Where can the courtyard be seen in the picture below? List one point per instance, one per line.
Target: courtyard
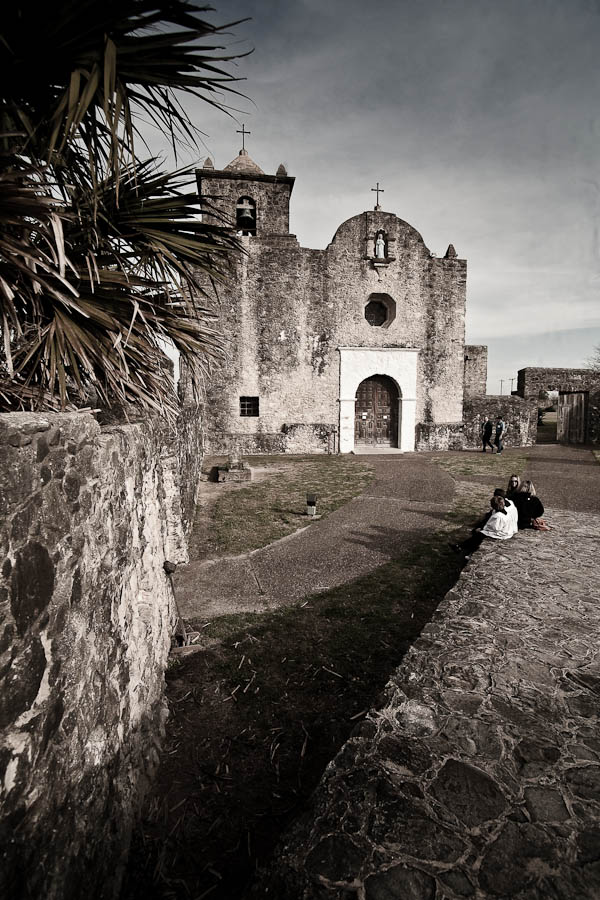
(272, 686)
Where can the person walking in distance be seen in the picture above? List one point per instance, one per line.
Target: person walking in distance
(500, 434)
(486, 434)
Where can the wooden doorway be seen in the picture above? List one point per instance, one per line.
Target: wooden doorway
(376, 412)
(571, 419)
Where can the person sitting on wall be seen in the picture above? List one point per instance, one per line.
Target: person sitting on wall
(498, 492)
(486, 434)
(530, 508)
(500, 526)
(500, 434)
(514, 483)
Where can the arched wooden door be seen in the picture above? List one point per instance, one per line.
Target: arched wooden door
(376, 412)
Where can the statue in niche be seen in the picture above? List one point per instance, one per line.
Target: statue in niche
(380, 246)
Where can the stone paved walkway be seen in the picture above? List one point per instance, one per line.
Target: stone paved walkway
(479, 776)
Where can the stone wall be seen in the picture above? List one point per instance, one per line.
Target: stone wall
(593, 421)
(475, 370)
(188, 460)
(532, 380)
(520, 416)
(439, 437)
(478, 776)
(89, 515)
(294, 438)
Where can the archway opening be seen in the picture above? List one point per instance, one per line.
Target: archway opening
(376, 412)
(245, 216)
(547, 417)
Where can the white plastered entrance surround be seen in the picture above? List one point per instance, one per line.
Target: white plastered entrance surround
(358, 363)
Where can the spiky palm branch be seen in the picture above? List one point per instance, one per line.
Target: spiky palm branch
(95, 245)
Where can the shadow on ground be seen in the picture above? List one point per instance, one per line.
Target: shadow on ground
(258, 712)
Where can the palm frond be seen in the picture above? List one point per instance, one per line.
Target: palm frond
(99, 249)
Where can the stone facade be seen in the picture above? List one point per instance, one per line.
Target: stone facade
(304, 328)
(89, 516)
(578, 402)
(520, 416)
(475, 370)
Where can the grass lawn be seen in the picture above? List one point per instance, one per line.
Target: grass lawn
(246, 517)
(498, 468)
(265, 701)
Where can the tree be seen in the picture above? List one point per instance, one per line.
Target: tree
(593, 362)
(98, 247)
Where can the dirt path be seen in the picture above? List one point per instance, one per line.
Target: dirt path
(406, 501)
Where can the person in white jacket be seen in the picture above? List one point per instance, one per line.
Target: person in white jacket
(500, 526)
(503, 522)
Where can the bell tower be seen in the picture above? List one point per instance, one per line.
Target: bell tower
(242, 196)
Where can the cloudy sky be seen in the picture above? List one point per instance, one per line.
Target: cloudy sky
(479, 118)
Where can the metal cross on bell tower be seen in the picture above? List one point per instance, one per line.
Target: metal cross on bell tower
(243, 133)
(379, 191)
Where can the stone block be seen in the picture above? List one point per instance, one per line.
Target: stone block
(236, 475)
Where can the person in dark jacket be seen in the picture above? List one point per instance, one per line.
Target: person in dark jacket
(486, 434)
(500, 434)
(529, 506)
(514, 483)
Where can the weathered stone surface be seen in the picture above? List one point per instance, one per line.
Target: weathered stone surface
(22, 681)
(289, 312)
(532, 380)
(519, 414)
(476, 358)
(515, 860)
(338, 857)
(32, 584)
(503, 797)
(545, 805)
(89, 515)
(468, 792)
(400, 883)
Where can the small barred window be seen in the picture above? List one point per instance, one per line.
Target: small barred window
(248, 406)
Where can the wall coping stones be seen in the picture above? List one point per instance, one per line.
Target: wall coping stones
(480, 775)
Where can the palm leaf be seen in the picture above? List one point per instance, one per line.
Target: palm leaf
(98, 249)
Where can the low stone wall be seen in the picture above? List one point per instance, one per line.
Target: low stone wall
(520, 416)
(89, 515)
(439, 437)
(293, 438)
(479, 776)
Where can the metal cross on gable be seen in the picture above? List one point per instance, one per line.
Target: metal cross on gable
(243, 133)
(379, 191)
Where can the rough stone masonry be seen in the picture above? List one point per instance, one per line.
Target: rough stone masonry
(88, 517)
(479, 776)
(309, 333)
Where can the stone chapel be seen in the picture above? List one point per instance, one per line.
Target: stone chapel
(357, 347)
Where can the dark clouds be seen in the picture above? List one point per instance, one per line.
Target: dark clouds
(480, 120)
